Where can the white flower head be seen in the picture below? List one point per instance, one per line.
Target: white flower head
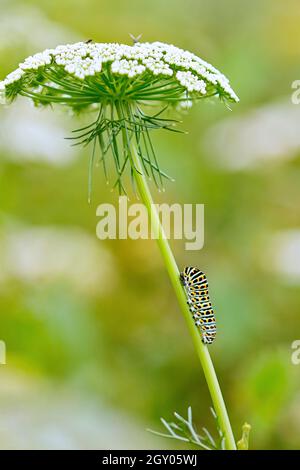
(104, 66)
(117, 82)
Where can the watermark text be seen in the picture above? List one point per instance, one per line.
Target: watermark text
(180, 222)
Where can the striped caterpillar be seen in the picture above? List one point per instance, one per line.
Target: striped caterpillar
(196, 288)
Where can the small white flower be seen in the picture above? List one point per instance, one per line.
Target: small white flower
(131, 68)
(38, 60)
(157, 67)
(191, 82)
(185, 104)
(13, 77)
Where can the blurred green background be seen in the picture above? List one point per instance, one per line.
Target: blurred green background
(97, 349)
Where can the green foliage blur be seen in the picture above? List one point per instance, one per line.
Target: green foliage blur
(97, 349)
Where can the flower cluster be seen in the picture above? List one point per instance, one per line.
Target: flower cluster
(36, 61)
(11, 78)
(177, 69)
(191, 82)
(131, 68)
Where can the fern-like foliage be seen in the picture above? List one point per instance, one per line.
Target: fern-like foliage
(183, 429)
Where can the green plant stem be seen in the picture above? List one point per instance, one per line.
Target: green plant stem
(202, 351)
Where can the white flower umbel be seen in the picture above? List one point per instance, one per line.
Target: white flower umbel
(102, 68)
(118, 82)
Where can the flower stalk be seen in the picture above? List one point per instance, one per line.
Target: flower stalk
(173, 271)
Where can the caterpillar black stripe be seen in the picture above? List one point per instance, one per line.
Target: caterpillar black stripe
(196, 288)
